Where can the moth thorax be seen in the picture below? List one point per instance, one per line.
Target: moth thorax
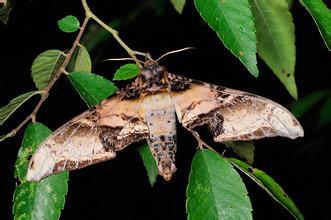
(153, 77)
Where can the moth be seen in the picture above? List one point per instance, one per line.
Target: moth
(147, 109)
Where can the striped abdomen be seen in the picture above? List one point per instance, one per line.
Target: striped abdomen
(160, 117)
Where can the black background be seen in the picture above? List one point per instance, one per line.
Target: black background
(119, 189)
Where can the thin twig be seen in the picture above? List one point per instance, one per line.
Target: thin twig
(62, 69)
(114, 32)
(63, 66)
(58, 73)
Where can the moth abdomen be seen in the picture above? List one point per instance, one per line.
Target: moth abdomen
(164, 155)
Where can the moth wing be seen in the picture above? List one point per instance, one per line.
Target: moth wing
(232, 115)
(91, 137)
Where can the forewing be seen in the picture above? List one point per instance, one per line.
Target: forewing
(91, 137)
(232, 115)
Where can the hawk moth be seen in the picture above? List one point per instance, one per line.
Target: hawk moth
(147, 109)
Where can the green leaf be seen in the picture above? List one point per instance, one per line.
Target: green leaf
(233, 22)
(303, 105)
(14, 104)
(149, 162)
(127, 71)
(269, 185)
(37, 200)
(325, 115)
(44, 67)
(276, 40)
(322, 17)
(91, 87)
(215, 189)
(82, 61)
(5, 11)
(68, 24)
(178, 5)
(245, 149)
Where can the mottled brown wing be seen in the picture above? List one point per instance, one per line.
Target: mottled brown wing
(232, 115)
(91, 137)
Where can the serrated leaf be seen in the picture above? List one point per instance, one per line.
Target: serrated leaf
(215, 189)
(245, 149)
(269, 185)
(322, 17)
(149, 162)
(178, 5)
(303, 105)
(68, 24)
(14, 104)
(325, 115)
(276, 39)
(232, 20)
(44, 66)
(82, 60)
(127, 71)
(91, 87)
(37, 200)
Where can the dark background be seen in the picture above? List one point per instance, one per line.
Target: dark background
(119, 189)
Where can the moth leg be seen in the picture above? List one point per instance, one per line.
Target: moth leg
(201, 143)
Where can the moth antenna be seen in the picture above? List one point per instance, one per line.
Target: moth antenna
(175, 51)
(121, 59)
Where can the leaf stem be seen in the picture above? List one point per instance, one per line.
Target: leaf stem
(114, 32)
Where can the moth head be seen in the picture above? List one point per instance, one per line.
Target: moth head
(166, 169)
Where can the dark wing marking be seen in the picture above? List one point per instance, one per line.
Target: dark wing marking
(91, 137)
(232, 115)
